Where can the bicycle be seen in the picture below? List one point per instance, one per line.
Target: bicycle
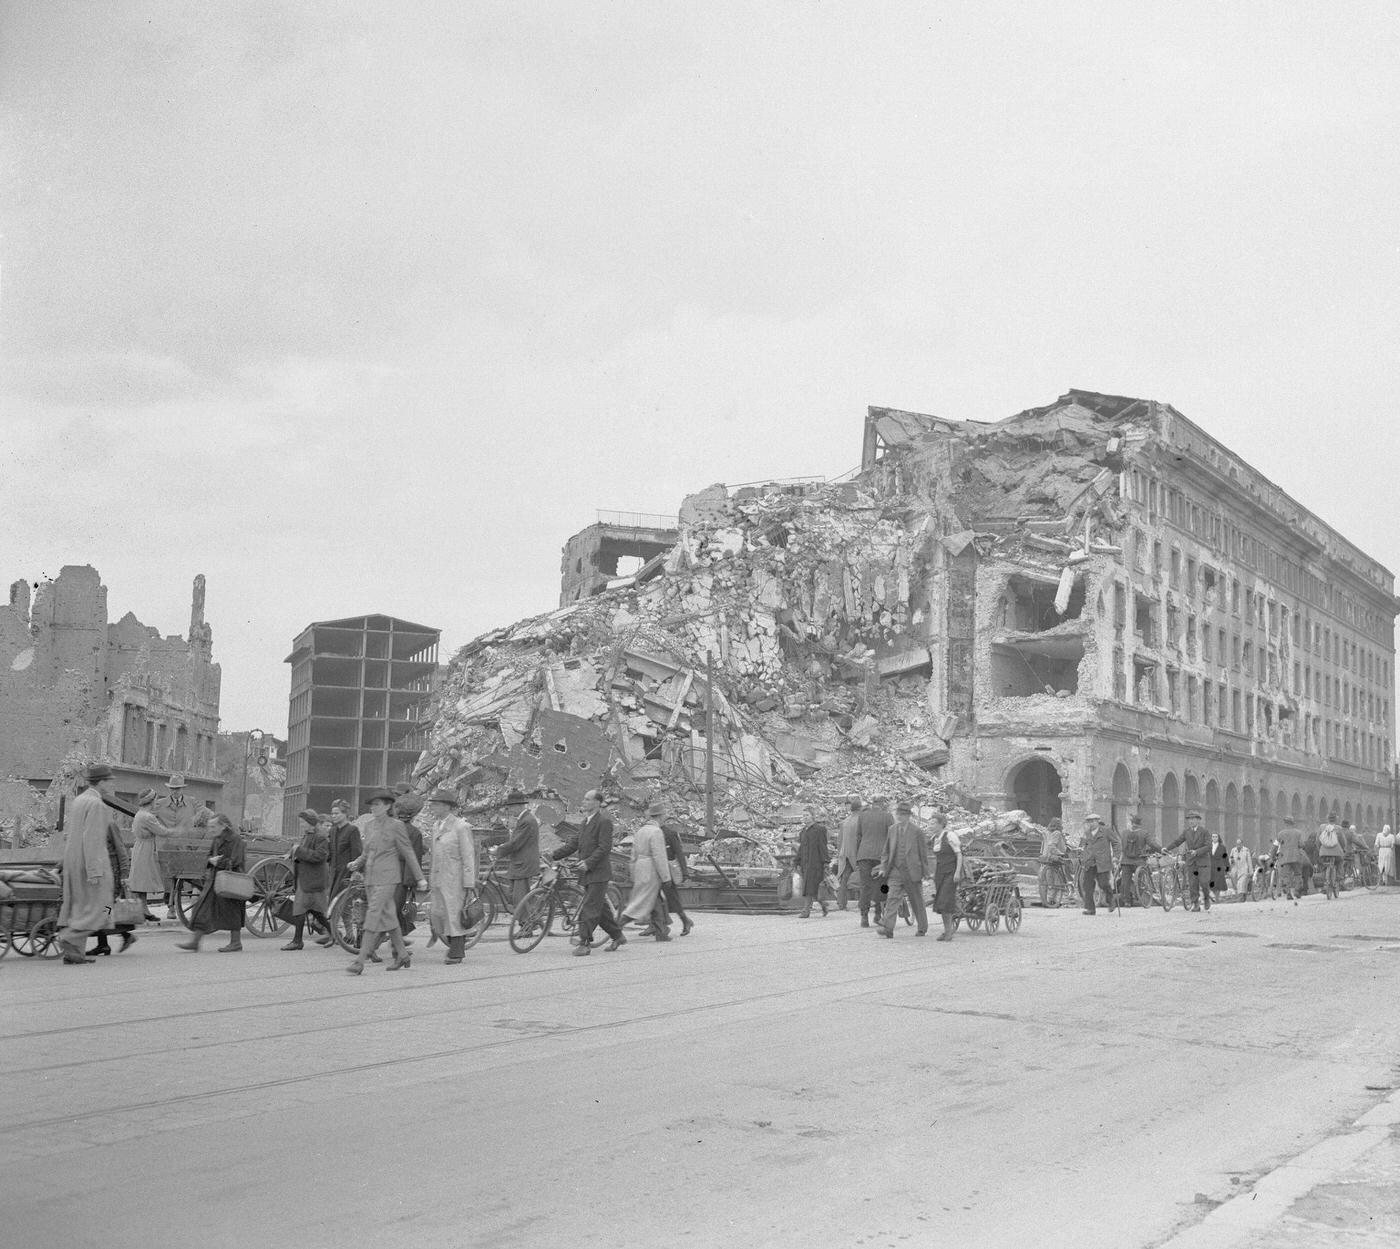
(1331, 875)
(1059, 882)
(1165, 882)
(347, 919)
(556, 894)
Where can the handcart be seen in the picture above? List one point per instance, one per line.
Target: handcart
(989, 896)
(184, 859)
(30, 899)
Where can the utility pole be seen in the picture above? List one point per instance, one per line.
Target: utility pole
(709, 745)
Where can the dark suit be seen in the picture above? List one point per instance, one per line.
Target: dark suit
(345, 849)
(1137, 845)
(594, 849)
(1195, 843)
(675, 857)
(1100, 847)
(872, 831)
(522, 854)
(904, 866)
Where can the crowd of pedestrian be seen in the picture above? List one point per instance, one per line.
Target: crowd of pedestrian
(887, 854)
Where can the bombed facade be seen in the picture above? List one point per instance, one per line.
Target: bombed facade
(76, 687)
(1090, 605)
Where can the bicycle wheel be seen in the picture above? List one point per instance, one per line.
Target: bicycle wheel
(347, 917)
(1170, 890)
(567, 900)
(1144, 886)
(1012, 914)
(530, 923)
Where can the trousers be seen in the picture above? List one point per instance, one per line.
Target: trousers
(1090, 877)
(1198, 884)
(594, 912)
(843, 883)
(902, 887)
(1127, 884)
(871, 890)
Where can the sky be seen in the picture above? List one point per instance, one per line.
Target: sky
(357, 307)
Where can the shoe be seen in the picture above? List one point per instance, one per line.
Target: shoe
(804, 914)
(325, 940)
(451, 962)
(374, 958)
(99, 951)
(1087, 912)
(923, 932)
(580, 950)
(128, 940)
(151, 919)
(885, 932)
(231, 948)
(943, 936)
(615, 944)
(400, 963)
(865, 921)
(191, 946)
(662, 936)
(294, 945)
(686, 926)
(73, 958)
(355, 969)
(824, 910)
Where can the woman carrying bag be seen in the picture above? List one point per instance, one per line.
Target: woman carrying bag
(451, 873)
(212, 912)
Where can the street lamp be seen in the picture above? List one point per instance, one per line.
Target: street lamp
(243, 799)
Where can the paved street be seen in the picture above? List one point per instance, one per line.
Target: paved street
(764, 1081)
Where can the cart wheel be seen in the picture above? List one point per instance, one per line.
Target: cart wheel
(973, 921)
(1013, 913)
(347, 917)
(6, 939)
(43, 939)
(187, 893)
(991, 917)
(530, 923)
(272, 881)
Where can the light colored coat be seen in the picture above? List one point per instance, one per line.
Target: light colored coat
(649, 870)
(451, 872)
(146, 831)
(88, 887)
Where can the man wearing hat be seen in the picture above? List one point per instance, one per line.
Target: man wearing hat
(1137, 845)
(593, 845)
(904, 865)
(451, 874)
(1195, 857)
(1290, 859)
(1101, 849)
(521, 850)
(178, 817)
(88, 885)
(146, 832)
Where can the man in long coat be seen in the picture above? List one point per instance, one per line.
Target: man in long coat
(904, 865)
(846, 854)
(1138, 843)
(1195, 840)
(811, 864)
(1101, 850)
(593, 845)
(88, 885)
(521, 850)
(873, 829)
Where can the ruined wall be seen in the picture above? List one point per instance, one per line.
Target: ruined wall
(70, 682)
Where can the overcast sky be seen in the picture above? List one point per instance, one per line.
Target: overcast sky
(367, 307)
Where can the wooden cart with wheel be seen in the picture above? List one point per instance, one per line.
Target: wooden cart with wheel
(989, 897)
(29, 906)
(184, 859)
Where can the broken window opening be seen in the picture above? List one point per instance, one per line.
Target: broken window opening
(1022, 670)
(1030, 605)
(1144, 682)
(1145, 621)
(651, 747)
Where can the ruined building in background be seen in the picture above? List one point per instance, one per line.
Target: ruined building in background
(360, 690)
(75, 688)
(1090, 605)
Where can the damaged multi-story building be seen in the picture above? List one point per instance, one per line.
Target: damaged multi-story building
(76, 687)
(1091, 605)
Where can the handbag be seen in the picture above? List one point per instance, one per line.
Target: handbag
(285, 910)
(237, 886)
(473, 912)
(127, 911)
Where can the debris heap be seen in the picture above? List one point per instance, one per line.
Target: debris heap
(805, 601)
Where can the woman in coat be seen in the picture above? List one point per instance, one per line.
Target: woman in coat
(146, 831)
(649, 869)
(120, 861)
(311, 877)
(811, 863)
(947, 871)
(227, 853)
(387, 852)
(1219, 865)
(1385, 856)
(451, 873)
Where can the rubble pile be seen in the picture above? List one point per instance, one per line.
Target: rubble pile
(805, 598)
